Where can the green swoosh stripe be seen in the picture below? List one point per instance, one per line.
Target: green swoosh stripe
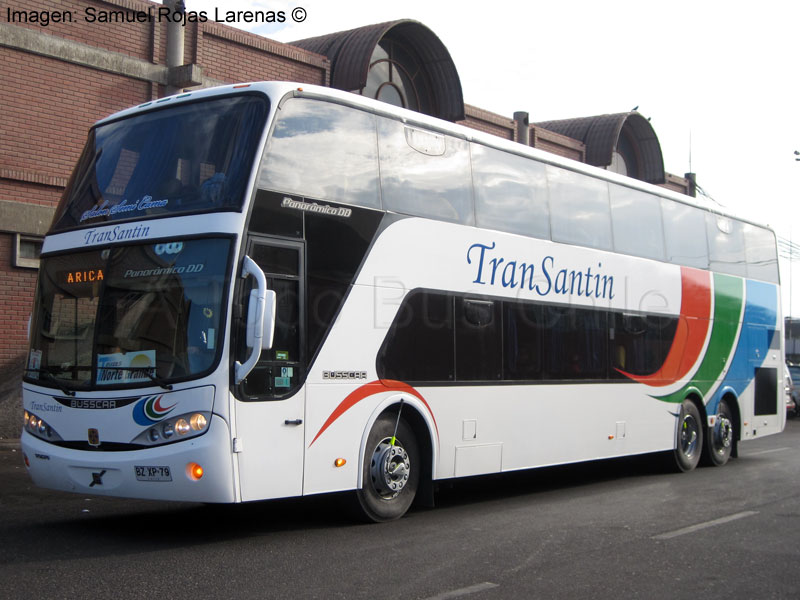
(728, 298)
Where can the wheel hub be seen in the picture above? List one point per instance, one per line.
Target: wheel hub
(389, 469)
(689, 435)
(723, 433)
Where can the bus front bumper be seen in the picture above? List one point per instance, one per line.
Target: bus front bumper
(159, 473)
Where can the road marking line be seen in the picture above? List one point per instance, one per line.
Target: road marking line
(767, 451)
(699, 526)
(473, 589)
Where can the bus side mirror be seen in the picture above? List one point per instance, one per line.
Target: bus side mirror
(268, 322)
(257, 318)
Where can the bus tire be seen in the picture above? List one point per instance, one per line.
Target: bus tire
(689, 437)
(390, 472)
(720, 437)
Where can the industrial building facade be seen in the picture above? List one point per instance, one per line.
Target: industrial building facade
(59, 78)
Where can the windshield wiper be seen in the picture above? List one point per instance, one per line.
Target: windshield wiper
(157, 379)
(48, 376)
(145, 371)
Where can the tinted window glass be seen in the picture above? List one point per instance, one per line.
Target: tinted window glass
(579, 209)
(479, 351)
(419, 345)
(725, 245)
(188, 157)
(335, 248)
(122, 315)
(640, 343)
(685, 234)
(576, 343)
(323, 150)
(519, 341)
(761, 253)
(279, 370)
(636, 222)
(522, 341)
(510, 193)
(424, 173)
(276, 259)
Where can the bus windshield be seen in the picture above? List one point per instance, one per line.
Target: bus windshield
(129, 315)
(183, 158)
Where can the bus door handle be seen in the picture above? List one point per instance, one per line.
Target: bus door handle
(293, 422)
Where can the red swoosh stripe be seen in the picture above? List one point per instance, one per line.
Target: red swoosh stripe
(690, 335)
(366, 390)
(159, 408)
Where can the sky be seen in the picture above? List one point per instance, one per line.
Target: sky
(720, 81)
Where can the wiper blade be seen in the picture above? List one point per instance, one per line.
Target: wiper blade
(143, 371)
(48, 376)
(156, 379)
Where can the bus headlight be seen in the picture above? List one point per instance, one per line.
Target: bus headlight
(38, 427)
(198, 422)
(180, 427)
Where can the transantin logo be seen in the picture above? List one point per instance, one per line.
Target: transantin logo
(149, 410)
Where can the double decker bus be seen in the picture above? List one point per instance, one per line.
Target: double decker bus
(269, 290)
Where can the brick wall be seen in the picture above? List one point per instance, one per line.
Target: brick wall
(231, 55)
(488, 122)
(133, 39)
(16, 297)
(16, 306)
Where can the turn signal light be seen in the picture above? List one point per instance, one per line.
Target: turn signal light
(194, 471)
(339, 462)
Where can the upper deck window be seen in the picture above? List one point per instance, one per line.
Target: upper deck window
(186, 158)
(323, 150)
(580, 212)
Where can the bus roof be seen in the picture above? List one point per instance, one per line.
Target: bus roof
(279, 90)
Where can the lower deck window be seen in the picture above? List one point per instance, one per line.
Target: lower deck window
(441, 337)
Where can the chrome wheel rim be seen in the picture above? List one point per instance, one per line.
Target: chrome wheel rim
(723, 434)
(390, 467)
(689, 436)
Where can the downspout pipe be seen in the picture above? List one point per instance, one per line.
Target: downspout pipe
(175, 35)
(523, 128)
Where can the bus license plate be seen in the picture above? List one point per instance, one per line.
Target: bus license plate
(153, 474)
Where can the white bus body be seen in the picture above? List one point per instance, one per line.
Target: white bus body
(472, 306)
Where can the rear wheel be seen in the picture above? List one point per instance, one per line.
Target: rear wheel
(390, 470)
(720, 437)
(689, 442)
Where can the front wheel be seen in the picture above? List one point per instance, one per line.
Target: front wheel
(390, 470)
(720, 437)
(689, 437)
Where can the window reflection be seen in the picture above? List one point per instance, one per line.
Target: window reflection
(510, 193)
(725, 245)
(685, 234)
(636, 221)
(580, 211)
(760, 249)
(323, 150)
(417, 180)
(189, 157)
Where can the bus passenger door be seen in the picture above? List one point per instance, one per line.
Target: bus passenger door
(270, 409)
